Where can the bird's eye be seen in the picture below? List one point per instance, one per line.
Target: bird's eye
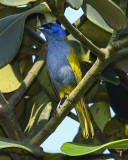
(49, 25)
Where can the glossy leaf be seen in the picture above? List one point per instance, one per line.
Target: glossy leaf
(93, 15)
(101, 114)
(15, 2)
(90, 141)
(74, 149)
(110, 11)
(75, 4)
(115, 130)
(40, 113)
(96, 34)
(10, 78)
(11, 10)
(101, 95)
(13, 26)
(8, 143)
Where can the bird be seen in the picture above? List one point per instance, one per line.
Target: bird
(64, 70)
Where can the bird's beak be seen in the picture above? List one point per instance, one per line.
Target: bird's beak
(39, 27)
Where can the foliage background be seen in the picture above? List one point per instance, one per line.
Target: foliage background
(28, 98)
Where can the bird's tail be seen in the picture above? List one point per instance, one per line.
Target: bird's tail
(84, 119)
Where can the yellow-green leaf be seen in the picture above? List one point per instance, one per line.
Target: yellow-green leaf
(10, 78)
(40, 113)
(15, 2)
(74, 4)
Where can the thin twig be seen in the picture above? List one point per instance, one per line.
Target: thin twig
(73, 116)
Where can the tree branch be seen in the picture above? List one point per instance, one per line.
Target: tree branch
(69, 103)
(32, 74)
(10, 124)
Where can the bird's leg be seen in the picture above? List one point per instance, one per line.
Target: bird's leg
(67, 95)
(58, 106)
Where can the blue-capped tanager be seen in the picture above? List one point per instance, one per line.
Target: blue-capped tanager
(64, 69)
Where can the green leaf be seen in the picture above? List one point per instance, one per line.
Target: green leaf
(11, 10)
(90, 141)
(8, 144)
(75, 4)
(101, 114)
(100, 37)
(101, 95)
(74, 149)
(13, 26)
(15, 2)
(110, 12)
(92, 14)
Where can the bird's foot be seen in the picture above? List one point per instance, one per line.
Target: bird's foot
(58, 106)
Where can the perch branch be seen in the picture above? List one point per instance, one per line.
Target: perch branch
(69, 103)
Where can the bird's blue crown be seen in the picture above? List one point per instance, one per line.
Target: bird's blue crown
(52, 30)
